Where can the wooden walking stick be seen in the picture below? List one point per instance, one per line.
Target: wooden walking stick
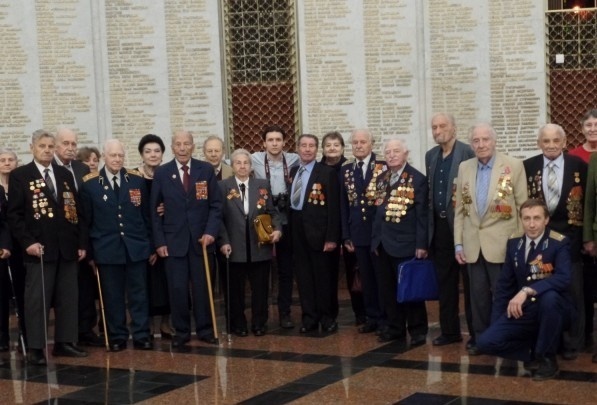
(211, 298)
(101, 299)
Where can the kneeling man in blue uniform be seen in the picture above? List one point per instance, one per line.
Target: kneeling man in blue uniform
(532, 307)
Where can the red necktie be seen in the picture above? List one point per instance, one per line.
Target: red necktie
(185, 178)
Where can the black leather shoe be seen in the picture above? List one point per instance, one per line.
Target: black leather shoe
(388, 337)
(36, 357)
(209, 338)
(286, 322)
(570, 354)
(179, 341)
(67, 350)
(548, 369)
(90, 339)
(443, 340)
(307, 329)
(360, 320)
(418, 340)
(165, 335)
(369, 327)
(473, 351)
(142, 344)
(471, 343)
(259, 331)
(241, 332)
(330, 328)
(118, 345)
(531, 365)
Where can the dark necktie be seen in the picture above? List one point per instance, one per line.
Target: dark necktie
(50, 183)
(531, 254)
(70, 169)
(185, 178)
(115, 186)
(243, 188)
(358, 175)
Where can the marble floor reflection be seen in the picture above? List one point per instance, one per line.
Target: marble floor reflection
(287, 367)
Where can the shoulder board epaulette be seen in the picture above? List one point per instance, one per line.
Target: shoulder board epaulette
(556, 235)
(90, 176)
(516, 235)
(134, 171)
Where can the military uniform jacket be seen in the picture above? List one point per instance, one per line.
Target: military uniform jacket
(321, 206)
(400, 223)
(34, 216)
(357, 201)
(548, 269)
(568, 215)
(119, 225)
(234, 220)
(5, 239)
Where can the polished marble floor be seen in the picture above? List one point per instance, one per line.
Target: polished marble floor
(287, 367)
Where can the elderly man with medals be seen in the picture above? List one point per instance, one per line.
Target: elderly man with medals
(532, 304)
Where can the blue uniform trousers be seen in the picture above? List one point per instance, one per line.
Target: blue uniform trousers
(538, 330)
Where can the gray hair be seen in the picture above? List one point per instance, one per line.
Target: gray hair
(449, 116)
(364, 131)
(213, 138)
(559, 130)
(41, 133)
(480, 125)
(9, 152)
(402, 142)
(110, 142)
(239, 152)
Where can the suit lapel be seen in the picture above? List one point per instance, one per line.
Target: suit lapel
(237, 201)
(252, 196)
(175, 177)
(567, 183)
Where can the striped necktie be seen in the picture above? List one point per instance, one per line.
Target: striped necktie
(553, 190)
(298, 186)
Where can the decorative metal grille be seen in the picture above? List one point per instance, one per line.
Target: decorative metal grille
(572, 68)
(261, 70)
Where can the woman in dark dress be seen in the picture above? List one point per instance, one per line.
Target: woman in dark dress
(333, 155)
(151, 148)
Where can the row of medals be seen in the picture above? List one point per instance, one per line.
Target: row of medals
(40, 201)
(399, 198)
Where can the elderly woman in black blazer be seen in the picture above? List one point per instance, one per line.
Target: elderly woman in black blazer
(244, 199)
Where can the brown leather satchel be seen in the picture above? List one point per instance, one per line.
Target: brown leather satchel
(263, 228)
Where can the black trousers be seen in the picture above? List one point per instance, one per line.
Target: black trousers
(258, 275)
(285, 271)
(400, 317)
(313, 277)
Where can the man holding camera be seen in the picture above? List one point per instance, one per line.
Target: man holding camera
(274, 165)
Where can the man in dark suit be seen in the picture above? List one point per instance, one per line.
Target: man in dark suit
(45, 217)
(399, 233)
(442, 163)
(192, 215)
(357, 205)
(245, 198)
(532, 305)
(65, 155)
(116, 203)
(315, 224)
(559, 180)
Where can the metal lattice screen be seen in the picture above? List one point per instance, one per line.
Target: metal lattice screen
(572, 68)
(261, 69)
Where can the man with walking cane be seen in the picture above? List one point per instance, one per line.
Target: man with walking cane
(116, 203)
(45, 218)
(191, 220)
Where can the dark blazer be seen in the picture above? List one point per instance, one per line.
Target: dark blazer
(568, 216)
(5, 239)
(234, 220)
(187, 215)
(79, 168)
(460, 153)
(357, 202)
(321, 222)
(402, 239)
(553, 250)
(118, 225)
(48, 225)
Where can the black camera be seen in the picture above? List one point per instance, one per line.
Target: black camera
(281, 201)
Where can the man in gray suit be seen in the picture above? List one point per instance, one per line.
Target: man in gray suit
(441, 163)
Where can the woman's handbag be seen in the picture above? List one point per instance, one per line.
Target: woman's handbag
(417, 281)
(263, 228)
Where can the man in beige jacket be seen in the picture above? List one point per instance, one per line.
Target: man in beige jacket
(490, 188)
